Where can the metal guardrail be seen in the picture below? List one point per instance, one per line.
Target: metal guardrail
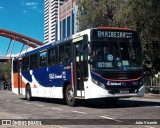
(152, 86)
(152, 89)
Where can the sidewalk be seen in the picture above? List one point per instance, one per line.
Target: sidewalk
(148, 97)
(152, 96)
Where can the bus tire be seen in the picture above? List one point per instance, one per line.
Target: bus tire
(28, 93)
(69, 94)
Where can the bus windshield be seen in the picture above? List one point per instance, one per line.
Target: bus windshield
(116, 55)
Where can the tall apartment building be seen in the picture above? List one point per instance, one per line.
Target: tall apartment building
(67, 19)
(50, 19)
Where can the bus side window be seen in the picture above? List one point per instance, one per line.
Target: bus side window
(33, 61)
(52, 56)
(15, 66)
(25, 63)
(43, 57)
(61, 54)
(65, 53)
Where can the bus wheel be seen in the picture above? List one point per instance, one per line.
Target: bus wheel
(70, 96)
(28, 93)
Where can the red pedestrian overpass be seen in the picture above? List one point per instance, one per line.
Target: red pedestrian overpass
(25, 40)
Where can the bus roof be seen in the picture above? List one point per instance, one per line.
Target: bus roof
(115, 28)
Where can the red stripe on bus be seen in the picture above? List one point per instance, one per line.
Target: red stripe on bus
(115, 28)
(118, 80)
(72, 75)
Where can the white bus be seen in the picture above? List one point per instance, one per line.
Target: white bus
(102, 62)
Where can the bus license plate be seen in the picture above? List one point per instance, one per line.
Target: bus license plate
(124, 91)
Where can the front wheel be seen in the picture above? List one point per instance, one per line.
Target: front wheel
(28, 93)
(69, 94)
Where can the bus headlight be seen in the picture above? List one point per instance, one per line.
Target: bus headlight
(98, 83)
(95, 81)
(102, 85)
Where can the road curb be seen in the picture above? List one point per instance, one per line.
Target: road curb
(152, 96)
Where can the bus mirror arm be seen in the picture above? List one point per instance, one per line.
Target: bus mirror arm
(90, 51)
(90, 61)
(90, 54)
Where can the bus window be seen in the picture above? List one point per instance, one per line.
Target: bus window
(64, 53)
(33, 61)
(85, 58)
(25, 63)
(67, 52)
(15, 66)
(43, 61)
(61, 53)
(52, 56)
(124, 51)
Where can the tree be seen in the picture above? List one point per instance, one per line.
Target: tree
(1, 74)
(6, 70)
(94, 13)
(143, 15)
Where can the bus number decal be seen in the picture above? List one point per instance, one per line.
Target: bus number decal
(112, 34)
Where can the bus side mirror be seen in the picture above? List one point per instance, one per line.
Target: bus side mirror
(90, 51)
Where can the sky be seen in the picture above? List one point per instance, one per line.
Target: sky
(21, 16)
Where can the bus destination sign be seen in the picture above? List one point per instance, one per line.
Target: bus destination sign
(112, 34)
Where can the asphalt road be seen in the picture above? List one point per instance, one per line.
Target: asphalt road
(134, 112)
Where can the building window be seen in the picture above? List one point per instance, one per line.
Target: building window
(64, 28)
(73, 24)
(68, 26)
(61, 28)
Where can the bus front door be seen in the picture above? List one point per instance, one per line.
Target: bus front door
(80, 67)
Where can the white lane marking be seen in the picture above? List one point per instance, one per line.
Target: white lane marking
(106, 117)
(8, 100)
(149, 127)
(79, 112)
(39, 105)
(156, 106)
(27, 103)
(56, 108)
